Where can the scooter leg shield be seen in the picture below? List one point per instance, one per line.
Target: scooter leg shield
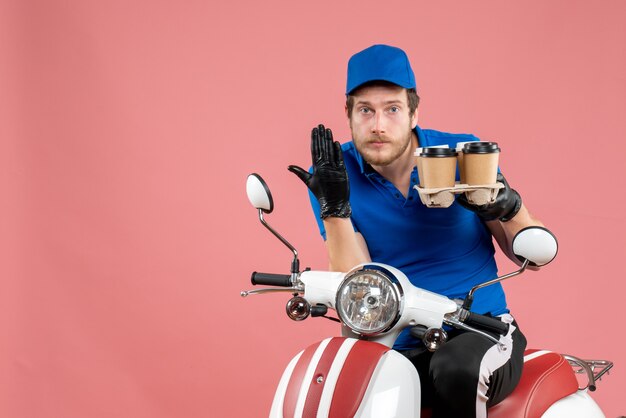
(394, 389)
(345, 377)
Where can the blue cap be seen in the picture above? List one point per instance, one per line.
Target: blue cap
(380, 62)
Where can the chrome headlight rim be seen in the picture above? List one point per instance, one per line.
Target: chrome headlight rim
(395, 285)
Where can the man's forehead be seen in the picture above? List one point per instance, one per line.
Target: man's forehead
(382, 94)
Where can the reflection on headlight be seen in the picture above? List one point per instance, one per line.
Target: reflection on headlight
(368, 300)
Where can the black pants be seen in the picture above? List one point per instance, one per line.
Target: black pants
(469, 373)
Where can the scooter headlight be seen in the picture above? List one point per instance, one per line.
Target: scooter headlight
(369, 300)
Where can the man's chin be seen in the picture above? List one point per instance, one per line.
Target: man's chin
(377, 160)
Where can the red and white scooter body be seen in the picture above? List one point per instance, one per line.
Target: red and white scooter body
(344, 377)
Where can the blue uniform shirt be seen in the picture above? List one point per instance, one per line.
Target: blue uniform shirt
(446, 251)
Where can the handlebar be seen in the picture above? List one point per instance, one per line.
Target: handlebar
(271, 279)
(487, 323)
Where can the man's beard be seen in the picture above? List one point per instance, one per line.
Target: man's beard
(376, 159)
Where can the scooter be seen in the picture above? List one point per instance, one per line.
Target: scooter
(359, 375)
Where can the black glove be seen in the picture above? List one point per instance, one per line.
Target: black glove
(507, 204)
(329, 181)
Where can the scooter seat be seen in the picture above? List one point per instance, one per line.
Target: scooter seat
(546, 378)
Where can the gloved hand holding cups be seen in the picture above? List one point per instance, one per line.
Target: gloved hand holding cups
(507, 204)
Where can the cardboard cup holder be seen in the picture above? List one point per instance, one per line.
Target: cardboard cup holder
(443, 197)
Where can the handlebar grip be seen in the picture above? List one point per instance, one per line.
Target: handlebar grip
(487, 323)
(270, 279)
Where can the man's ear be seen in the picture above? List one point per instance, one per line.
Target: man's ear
(345, 108)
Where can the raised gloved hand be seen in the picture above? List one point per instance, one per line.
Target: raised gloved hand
(507, 204)
(329, 181)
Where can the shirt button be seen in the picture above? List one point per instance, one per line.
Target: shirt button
(398, 195)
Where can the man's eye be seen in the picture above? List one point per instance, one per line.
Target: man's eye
(394, 109)
(364, 110)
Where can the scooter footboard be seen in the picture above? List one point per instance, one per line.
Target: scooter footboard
(344, 377)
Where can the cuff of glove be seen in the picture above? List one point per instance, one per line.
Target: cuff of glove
(345, 211)
(514, 210)
(501, 211)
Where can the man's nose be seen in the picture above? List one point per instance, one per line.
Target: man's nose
(379, 124)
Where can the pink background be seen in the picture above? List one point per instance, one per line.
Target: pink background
(128, 129)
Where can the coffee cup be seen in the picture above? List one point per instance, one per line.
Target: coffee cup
(438, 167)
(418, 161)
(480, 162)
(459, 158)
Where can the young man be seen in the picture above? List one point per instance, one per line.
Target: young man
(368, 210)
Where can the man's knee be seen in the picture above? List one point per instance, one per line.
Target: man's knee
(455, 369)
(454, 379)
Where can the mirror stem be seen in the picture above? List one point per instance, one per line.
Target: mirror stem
(469, 299)
(295, 264)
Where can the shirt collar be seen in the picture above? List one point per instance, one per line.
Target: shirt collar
(367, 169)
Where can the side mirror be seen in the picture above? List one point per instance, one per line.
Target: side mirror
(259, 194)
(260, 197)
(535, 244)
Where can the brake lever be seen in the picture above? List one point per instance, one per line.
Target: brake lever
(293, 290)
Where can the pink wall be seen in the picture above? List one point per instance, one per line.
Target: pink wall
(128, 128)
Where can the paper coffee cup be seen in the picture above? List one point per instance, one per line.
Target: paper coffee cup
(459, 159)
(438, 167)
(418, 161)
(480, 162)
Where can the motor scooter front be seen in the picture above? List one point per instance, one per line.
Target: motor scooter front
(359, 375)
